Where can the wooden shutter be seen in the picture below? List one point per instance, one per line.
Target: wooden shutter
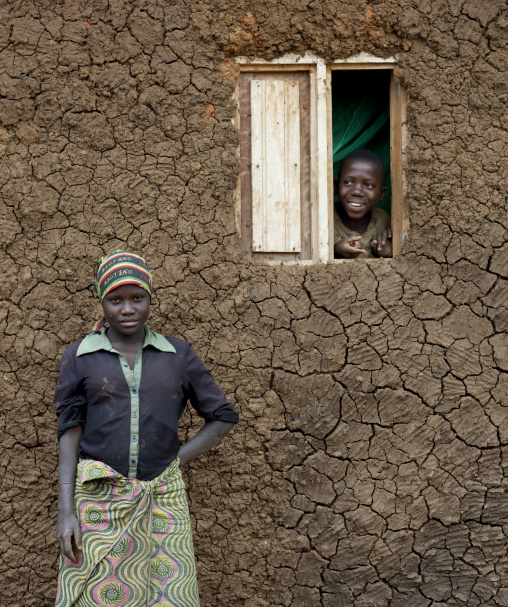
(275, 168)
(275, 172)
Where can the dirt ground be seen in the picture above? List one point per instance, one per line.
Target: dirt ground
(370, 463)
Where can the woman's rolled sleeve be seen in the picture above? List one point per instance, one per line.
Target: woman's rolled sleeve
(204, 394)
(69, 401)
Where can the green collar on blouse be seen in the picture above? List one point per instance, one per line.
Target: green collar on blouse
(100, 341)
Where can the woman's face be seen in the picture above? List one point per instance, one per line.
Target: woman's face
(126, 309)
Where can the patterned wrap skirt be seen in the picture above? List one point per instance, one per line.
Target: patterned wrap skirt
(137, 542)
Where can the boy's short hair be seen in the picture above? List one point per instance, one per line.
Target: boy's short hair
(367, 156)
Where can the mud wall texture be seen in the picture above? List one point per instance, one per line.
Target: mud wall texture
(369, 467)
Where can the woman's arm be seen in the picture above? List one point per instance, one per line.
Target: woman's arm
(207, 438)
(67, 526)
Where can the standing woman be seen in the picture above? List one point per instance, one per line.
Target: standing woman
(123, 522)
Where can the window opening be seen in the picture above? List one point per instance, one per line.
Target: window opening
(361, 118)
(367, 109)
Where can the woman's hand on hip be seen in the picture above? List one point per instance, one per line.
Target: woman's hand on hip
(208, 437)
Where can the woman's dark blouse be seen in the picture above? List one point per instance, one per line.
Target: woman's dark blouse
(132, 424)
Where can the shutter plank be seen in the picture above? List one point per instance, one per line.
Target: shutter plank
(276, 205)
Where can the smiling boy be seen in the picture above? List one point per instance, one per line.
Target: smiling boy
(361, 229)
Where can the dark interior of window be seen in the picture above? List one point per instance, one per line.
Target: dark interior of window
(361, 117)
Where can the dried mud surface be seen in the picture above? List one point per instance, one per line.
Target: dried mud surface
(369, 467)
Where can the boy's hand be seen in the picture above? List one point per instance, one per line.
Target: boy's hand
(381, 244)
(348, 248)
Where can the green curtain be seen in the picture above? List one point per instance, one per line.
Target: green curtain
(361, 117)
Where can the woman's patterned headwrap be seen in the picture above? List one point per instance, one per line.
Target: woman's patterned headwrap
(120, 268)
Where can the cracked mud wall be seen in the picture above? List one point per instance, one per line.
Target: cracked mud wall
(369, 467)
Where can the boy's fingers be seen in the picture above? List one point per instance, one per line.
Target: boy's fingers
(359, 250)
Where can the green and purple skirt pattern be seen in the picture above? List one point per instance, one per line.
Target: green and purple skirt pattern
(137, 542)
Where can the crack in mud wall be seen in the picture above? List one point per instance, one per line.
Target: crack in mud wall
(369, 466)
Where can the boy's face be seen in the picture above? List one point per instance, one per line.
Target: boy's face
(359, 187)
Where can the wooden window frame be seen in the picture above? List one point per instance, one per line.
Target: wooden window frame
(321, 146)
